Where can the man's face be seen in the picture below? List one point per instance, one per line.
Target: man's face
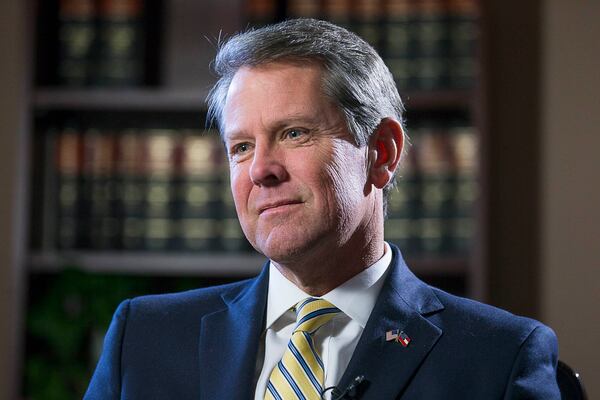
(298, 180)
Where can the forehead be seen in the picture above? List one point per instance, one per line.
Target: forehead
(274, 91)
(282, 74)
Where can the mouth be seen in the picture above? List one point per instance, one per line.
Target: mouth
(277, 206)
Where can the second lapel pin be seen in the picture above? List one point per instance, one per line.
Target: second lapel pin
(398, 336)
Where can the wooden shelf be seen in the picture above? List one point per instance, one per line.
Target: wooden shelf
(121, 99)
(194, 100)
(150, 263)
(191, 264)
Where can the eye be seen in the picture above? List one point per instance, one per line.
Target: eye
(240, 148)
(295, 133)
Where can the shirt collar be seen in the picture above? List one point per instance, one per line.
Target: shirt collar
(356, 297)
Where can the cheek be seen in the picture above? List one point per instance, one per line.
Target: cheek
(240, 187)
(346, 175)
(347, 171)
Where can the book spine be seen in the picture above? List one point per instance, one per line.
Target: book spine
(130, 176)
(437, 189)
(338, 12)
(367, 21)
(463, 15)
(76, 33)
(465, 148)
(103, 226)
(198, 189)
(160, 227)
(398, 42)
(68, 171)
(120, 49)
(431, 45)
(90, 186)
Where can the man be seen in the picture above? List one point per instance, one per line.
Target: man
(311, 120)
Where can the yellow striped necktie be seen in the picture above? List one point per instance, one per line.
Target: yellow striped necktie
(300, 373)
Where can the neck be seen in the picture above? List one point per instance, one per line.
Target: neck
(333, 266)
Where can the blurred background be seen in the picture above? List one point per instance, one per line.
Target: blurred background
(111, 186)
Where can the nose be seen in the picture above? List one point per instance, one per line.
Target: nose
(268, 167)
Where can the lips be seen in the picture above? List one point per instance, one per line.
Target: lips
(276, 204)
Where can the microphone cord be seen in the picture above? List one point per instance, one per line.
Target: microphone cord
(350, 391)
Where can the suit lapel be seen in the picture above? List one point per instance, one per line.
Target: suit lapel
(229, 340)
(389, 366)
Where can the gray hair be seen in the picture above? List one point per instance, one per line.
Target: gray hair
(355, 77)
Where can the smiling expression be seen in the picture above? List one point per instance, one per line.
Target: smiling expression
(299, 181)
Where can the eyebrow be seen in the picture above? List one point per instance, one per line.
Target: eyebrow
(277, 125)
(293, 120)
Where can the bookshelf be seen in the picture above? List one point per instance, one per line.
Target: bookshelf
(169, 96)
(171, 87)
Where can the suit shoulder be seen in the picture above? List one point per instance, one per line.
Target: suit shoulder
(200, 301)
(474, 317)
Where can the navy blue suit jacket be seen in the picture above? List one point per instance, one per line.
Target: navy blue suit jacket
(202, 344)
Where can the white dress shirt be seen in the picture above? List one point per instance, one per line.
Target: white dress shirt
(337, 339)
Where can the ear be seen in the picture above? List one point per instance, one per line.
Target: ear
(385, 149)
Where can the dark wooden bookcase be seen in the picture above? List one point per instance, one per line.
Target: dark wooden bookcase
(181, 39)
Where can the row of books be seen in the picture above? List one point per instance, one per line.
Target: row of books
(154, 189)
(431, 211)
(100, 43)
(168, 190)
(427, 44)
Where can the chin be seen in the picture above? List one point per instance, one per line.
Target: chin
(284, 246)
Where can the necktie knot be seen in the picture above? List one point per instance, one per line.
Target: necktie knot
(312, 313)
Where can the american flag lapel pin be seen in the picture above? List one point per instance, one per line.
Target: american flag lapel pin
(392, 335)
